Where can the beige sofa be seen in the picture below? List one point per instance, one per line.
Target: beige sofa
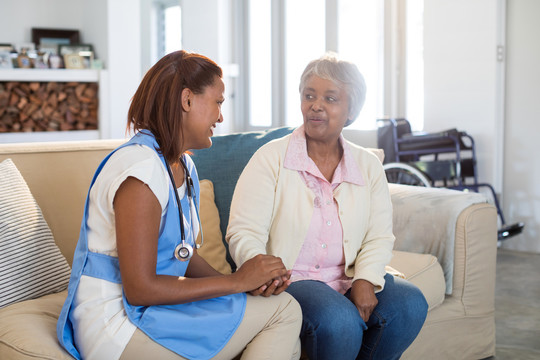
(460, 324)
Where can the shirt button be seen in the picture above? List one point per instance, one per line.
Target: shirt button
(328, 202)
(328, 223)
(345, 241)
(317, 266)
(324, 246)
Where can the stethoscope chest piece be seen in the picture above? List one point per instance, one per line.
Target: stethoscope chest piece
(183, 251)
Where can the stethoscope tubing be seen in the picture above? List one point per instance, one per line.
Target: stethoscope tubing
(184, 251)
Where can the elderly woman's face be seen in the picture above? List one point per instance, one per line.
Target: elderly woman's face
(325, 107)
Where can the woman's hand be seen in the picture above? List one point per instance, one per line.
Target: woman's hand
(363, 296)
(263, 275)
(274, 286)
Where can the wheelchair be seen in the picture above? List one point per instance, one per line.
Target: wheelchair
(444, 159)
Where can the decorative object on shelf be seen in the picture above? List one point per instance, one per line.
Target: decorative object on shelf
(73, 61)
(55, 61)
(23, 60)
(73, 48)
(5, 60)
(77, 56)
(97, 64)
(48, 37)
(42, 60)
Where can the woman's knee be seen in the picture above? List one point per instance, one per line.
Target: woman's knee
(341, 322)
(411, 305)
(416, 307)
(291, 309)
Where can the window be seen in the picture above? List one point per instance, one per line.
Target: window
(285, 35)
(260, 63)
(360, 40)
(305, 24)
(169, 27)
(274, 40)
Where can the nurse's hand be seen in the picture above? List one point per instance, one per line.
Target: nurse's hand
(260, 274)
(273, 287)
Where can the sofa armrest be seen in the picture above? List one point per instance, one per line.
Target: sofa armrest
(426, 221)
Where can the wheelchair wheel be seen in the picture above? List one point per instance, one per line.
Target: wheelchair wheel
(401, 173)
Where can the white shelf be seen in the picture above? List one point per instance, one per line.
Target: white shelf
(44, 75)
(62, 75)
(46, 136)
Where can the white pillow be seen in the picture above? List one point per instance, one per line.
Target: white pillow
(31, 265)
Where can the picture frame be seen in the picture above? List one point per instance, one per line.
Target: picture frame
(73, 61)
(6, 47)
(5, 60)
(42, 36)
(73, 48)
(48, 48)
(87, 58)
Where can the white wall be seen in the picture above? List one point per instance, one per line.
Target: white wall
(521, 193)
(18, 17)
(460, 75)
(124, 60)
(495, 102)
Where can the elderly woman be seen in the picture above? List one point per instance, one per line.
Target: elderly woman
(322, 205)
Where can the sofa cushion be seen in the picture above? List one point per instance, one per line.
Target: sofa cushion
(213, 249)
(424, 271)
(28, 329)
(31, 264)
(224, 161)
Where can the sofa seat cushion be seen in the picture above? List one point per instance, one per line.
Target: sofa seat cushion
(28, 329)
(424, 271)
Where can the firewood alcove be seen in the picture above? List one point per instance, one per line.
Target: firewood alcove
(48, 106)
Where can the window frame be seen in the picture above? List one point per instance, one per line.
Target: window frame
(393, 95)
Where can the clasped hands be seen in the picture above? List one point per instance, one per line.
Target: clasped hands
(267, 270)
(270, 271)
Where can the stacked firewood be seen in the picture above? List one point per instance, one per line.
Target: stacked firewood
(48, 106)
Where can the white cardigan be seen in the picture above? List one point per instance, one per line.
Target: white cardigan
(272, 208)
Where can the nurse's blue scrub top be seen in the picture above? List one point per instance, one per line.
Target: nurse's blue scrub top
(197, 330)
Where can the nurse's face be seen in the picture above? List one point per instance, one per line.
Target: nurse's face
(203, 115)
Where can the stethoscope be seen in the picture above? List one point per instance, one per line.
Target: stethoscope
(184, 251)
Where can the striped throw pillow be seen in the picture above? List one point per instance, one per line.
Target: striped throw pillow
(31, 265)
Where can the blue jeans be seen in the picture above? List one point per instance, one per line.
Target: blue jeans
(332, 328)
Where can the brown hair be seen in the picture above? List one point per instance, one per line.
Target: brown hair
(156, 105)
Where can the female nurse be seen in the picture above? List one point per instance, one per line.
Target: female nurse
(138, 288)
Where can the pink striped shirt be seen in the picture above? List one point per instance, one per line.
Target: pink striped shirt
(322, 257)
